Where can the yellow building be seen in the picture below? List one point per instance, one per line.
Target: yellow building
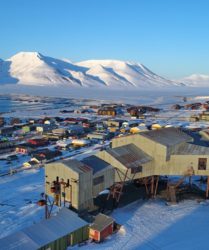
(156, 126)
(78, 182)
(168, 151)
(173, 152)
(143, 156)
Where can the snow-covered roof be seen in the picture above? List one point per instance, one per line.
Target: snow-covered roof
(45, 232)
(18, 241)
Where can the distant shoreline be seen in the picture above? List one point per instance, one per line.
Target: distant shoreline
(27, 97)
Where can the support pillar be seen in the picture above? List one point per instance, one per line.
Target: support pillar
(146, 187)
(172, 194)
(46, 206)
(117, 189)
(207, 188)
(156, 185)
(152, 186)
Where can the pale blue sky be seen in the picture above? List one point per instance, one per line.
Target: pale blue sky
(171, 37)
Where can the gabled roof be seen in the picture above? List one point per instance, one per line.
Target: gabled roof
(44, 232)
(129, 155)
(56, 227)
(101, 221)
(167, 136)
(95, 163)
(77, 166)
(191, 149)
(18, 241)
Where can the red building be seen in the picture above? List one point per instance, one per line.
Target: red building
(101, 228)
(38, 142)
(22, 150)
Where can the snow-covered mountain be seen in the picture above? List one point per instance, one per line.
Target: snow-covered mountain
(123, 73)
(32, 68)
(197, 80)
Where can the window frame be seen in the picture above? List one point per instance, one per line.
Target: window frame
(202, 163)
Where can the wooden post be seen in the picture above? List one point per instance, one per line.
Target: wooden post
(152, 185)
(207, 188)
(156, 185)
(121, 186)
(51, 207)
(110, 193)
(64, 194)
(46, 206)
(172, 194)
(145, 183)
(117, 188)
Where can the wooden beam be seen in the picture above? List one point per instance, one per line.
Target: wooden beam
(123, 174)
(46, 206)
(50, 211)
(156, 185)
(172, 194)
(117, 188)
(121, 187)
(207, 188)
(118, 173)
(145, 183)
(152, 185)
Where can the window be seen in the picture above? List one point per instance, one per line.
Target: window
(98, 180)
(202, 163)
(136, 170)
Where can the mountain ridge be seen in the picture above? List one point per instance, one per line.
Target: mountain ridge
(196, 80)
(34, 68)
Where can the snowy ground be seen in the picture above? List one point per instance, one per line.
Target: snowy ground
(20, 192)
(152, 225)
(160, 98)
(147, 225)
(18, 196)
(156, 96)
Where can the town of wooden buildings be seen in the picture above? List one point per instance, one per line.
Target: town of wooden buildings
(135, 153)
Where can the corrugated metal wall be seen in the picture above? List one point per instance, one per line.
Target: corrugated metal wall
(109, 179)
(74, 238)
